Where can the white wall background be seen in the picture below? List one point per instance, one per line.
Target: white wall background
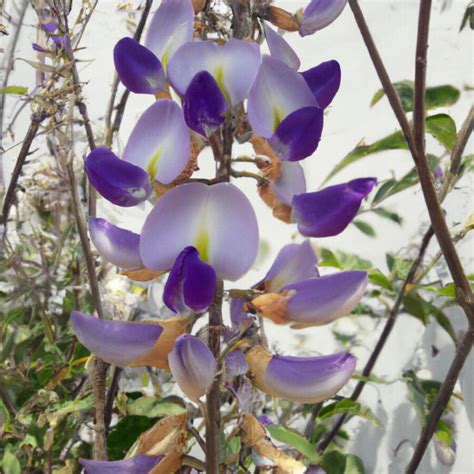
(393, 25)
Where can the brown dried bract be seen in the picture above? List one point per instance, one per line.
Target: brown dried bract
(198, 5)
(283, 19)
(255, 437)
(143, 274)
(279, 209)
(273, 306)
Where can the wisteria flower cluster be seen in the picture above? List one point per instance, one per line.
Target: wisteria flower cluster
(202, 232)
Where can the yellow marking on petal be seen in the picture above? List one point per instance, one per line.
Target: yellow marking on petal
(202, 246)
(219, 77)
(152, 165)
(277, 117)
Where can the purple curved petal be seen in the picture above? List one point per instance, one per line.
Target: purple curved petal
(119, 343)
(122, 183)
(298, 134)
(300, 379)
(160, 142)
(237, 313)
(233, 65)
(171, 27)
(277, 91)
(204, 104)
(235, 363)
(191, 284)
(290, 183)
(328, 212)
(138, 68)
(319, 14)
(280, 49)
(294, 262)
(213, 219)
(324, 81)
(116, 245)
(322, 300)
(193, 366)
(141, 464)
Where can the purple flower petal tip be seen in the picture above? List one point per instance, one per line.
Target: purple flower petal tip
(291, 182)
(204, 104)
(160, 142)
(235, 363)
(193, 366)
(119, 343)
(120, 182)
(138, 68)
(324, 81)
(294, 262)
(280, 49)
(141, 464)
(298, 135)
(328, 212)
(276, 92)
(118, 246)
(212, 219)
(237, 314)
(191, 284)
(322, 300)
(319, 14)
(300, 379)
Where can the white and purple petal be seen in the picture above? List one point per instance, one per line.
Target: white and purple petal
(118, 246)
(290, 183)
(280, 49)
(171, 27)
(294, 262)
(318, 301)
(120, 182)
(191, 284)
(233, 65)
(213, 219)
(328, 212)
(138, 68)
(276, 92)
(300, 379)
(193, 366)
(298, 134)
(324, 81)
(160, 142)
(140, 464)
(319, 14)
(204, 104)
(119, 343)
(235, 363)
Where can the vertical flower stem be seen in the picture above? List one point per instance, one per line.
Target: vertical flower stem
(213, 401)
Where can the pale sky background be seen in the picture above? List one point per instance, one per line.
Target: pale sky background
(349, 120)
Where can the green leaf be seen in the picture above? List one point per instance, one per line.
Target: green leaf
(10, 463)
(329, 259)
(468, 17)
(154, 408)
(438, 96)
(294, 439)
(348, 407)
(124, 434)
(387, 214)
(443, 128)
(19, 90)
(354, 465)
(334, 462)
(234, 445)
(378, 278)
(395, 141)
(365, 228)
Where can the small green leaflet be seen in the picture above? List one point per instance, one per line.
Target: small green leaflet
(443, 128)
(19, 90)
(154, 408)
(335, 462)
(378, 278)
(364, 227)
(349, 407)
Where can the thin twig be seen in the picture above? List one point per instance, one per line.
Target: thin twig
(389, 325)
(442, 399)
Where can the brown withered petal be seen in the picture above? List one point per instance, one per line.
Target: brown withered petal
(255, 437)
(283, 19)
(143, 274)
(273, 306)
(279, 209)
(167, 437)
(198, 5)
(158, 355)
(271, 170)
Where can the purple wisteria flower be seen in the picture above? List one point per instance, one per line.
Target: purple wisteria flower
(300, 379)
(140, 464)
(191, 284)
(193, 366)
(233, 65)
(328, 212)
(212, 219)
(116, 245)
(324, 81)
(319, 14)
(290, 183)
(280, 49)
